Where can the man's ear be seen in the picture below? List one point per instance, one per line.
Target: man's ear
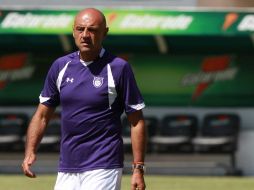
(73, 30)
(106, 32)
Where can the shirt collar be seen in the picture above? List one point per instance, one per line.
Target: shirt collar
(86, 63)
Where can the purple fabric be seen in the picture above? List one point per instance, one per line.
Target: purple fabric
(91, 127)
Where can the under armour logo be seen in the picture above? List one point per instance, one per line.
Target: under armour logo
(69, 79)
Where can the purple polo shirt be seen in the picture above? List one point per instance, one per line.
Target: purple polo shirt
(92, 97)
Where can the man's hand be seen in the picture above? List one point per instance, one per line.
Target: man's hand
(137, 180)
(27, 163)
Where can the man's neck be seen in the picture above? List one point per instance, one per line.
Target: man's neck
(89, 56)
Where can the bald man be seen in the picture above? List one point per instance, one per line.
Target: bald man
(93, 88)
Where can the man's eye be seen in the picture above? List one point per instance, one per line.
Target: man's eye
(91, 29)
(80, 29)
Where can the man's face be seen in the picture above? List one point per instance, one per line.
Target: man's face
(89, 30)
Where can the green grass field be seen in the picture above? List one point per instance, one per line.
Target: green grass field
(46, 182)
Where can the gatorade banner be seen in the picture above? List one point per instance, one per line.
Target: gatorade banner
(21, 78)
(214, 81)
(132, 22)
(207, 81)
(36, 22)
(180, 22)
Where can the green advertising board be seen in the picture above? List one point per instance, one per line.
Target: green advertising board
(180, 22)
(132, 22)
(207, 81)
(216, 81)
(21, 78)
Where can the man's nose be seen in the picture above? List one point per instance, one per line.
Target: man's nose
(85, 33)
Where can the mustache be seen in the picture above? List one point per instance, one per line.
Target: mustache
(85, 40)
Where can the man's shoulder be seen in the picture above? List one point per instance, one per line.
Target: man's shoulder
(66, 58)
(115, 60)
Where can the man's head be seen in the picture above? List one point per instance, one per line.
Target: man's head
(89, 30)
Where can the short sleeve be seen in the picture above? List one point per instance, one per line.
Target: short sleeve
(130, 92)
(50, 95)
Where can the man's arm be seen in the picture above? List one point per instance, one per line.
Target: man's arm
(35, 133)
(138, 139)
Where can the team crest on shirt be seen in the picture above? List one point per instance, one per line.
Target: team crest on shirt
(97, 81)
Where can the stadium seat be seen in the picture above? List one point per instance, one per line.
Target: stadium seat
(12, 128)
(51, 139)
(219, 134)
(126, 134)
(151, 123)
(175, 133)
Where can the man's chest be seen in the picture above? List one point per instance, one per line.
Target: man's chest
(86, 86)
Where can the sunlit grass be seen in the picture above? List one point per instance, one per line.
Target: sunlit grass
(46, 182)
